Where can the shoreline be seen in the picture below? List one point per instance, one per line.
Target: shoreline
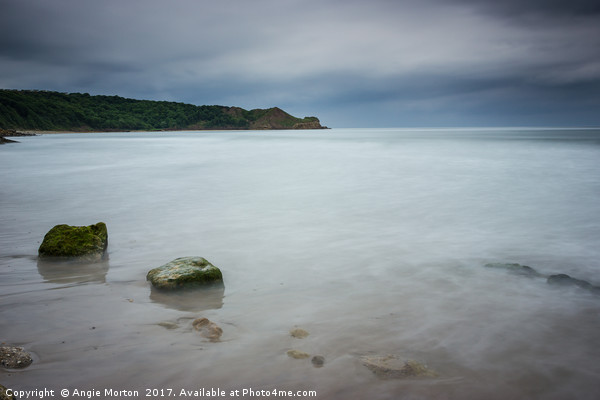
(5, 134)
(33, 132)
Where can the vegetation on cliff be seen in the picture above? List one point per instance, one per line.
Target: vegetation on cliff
(46, 110)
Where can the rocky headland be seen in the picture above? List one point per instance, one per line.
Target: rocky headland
(11, 133)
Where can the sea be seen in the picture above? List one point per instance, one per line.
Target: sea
(374, 241)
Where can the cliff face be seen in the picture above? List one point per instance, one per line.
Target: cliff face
(276, 118)
(309, 125)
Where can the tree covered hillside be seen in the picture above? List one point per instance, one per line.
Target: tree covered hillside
(45, 110)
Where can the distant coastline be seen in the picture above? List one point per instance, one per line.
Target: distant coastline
(52, 112)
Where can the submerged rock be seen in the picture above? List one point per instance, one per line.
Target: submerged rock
(297, 354)
(555, 280)
(185, 272)
(208, 329)
(299, 333)
(391, 366)
(318, 361)
(3, 140)
(168, 325)
(516, 269)
(566, 280)
(14, 357)
(86, 243)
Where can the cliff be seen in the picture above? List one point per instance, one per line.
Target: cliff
(276, 118)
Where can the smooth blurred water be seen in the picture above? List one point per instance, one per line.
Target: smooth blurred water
(372, 240)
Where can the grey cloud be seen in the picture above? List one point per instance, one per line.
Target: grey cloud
(558, 8)
(313, 57)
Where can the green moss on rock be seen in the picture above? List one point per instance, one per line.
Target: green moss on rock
(81, 242)
(184, 272)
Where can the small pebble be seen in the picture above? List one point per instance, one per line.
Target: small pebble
(168, 325)
(318, 361)
(299, 333)
(297, 354)
(208, 329)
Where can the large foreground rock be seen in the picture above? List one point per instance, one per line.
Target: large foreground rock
(86, 243)
(185, 272)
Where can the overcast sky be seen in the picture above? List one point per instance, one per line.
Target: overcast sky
(368, 63)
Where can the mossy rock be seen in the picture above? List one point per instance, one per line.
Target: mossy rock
(86, 243)
(185, 272)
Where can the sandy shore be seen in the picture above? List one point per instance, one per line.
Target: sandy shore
(36, 132)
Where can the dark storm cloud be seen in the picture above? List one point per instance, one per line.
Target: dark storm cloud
(398, 62)
(560, 8)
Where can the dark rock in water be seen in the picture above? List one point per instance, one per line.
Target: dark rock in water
(185, 272)
(4, 140)
(516, 269)
(4, 396)
(85, 243)
(14, 357)
(556, 280)
(208, 329)
(318, 361)
(566, 280)
(391, 366)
